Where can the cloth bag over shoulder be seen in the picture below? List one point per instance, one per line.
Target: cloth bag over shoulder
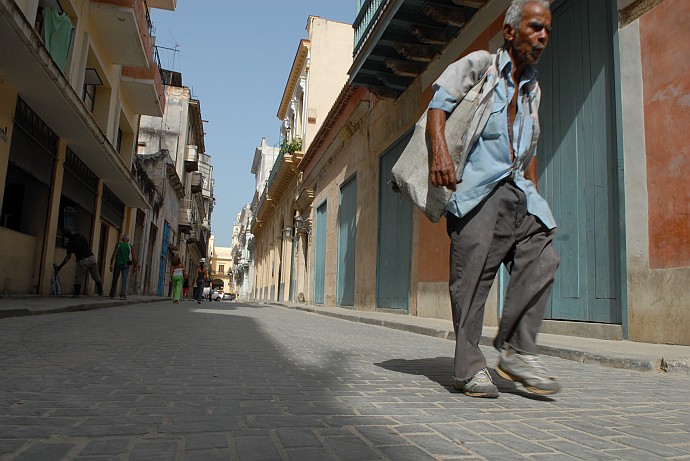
(411, 171)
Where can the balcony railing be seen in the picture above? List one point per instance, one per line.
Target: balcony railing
(191, 158)
(274, 170)
(366, 19)
(197, 184)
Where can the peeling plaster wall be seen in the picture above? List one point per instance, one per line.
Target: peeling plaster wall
(655, 143)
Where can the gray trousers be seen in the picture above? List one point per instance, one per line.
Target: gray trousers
(499, 230)
(85, 265)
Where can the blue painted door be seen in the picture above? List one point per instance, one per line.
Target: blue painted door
(394, 249)
(164, 259)
(320, 253)
(347, 220)
(577, 160)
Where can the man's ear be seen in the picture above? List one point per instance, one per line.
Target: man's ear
(508, 33)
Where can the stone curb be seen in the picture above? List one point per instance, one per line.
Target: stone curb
(608, 360)
(24, 312)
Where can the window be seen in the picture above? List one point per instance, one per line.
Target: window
(89, 96)
(118, 142)
(221, 268)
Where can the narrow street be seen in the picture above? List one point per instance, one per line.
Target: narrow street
(248, 382)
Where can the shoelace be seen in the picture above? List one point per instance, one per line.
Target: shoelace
(483, 375)
(536, 364)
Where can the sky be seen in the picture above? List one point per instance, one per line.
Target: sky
(236, 57)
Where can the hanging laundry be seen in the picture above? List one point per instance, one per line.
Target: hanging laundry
(57, 28)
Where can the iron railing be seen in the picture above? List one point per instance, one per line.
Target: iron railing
(367, 17)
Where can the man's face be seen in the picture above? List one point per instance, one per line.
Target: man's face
(527, 43)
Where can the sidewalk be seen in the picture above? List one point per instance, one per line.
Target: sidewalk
(617, 354)
(22, 305)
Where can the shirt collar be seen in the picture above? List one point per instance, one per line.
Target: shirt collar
(505, 65)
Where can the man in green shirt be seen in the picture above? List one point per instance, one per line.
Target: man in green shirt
(120, 263)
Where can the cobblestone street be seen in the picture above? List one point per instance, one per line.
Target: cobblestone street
(250, 382)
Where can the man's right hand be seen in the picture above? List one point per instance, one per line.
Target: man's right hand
(442, 171)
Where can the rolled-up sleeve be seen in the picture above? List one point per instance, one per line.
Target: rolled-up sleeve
(442, 100)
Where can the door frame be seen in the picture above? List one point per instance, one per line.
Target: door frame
(620, 172)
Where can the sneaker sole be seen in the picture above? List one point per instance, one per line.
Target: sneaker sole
(534, 390)
(486, 395)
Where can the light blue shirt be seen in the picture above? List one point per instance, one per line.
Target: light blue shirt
(489, 161)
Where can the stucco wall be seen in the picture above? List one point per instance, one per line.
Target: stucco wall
(658, 297)
(330, 59)
(667, 117)
(18, 269)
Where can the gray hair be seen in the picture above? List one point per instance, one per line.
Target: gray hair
(515, 10)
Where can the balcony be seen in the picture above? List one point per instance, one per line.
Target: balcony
(169, 5)
(123, 26)
(30, 71)
(143, 87)
(395, 40)
(193, 236)
(197, 184)
(186, 217)
(191, 158)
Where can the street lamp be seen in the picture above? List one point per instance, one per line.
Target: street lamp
(287, 232)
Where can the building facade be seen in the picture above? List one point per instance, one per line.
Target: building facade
(611, 141)
(74, 79)
(318, 74)
(241, 256)
(172, 151)
(221, 269)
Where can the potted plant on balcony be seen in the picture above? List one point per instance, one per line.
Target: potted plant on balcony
(290, 146)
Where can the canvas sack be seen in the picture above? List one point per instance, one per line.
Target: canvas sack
(411, 171)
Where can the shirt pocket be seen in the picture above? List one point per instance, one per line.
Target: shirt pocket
(496, 124)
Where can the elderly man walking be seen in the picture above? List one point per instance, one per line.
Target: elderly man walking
(496, 216)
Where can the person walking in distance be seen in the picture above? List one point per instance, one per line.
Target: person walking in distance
(496, 214)
(200, 282)
(177, 276)
(86, 261)
(185, 286)
(121, 261)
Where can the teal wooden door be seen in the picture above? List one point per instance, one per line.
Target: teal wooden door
(394, 248)
(577, 166)
(320, 253)
(347, 215)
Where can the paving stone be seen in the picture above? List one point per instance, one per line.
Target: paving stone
(264, 383)
(351, 449)
(493, 451)
(106, 447)
(380, 435)
(9, 445)
(163, 450)
(207, 455)
(437, 445)
(45, 452)
(206, 441)
(309, 454)
(406, 453)
(653, 447)
(256, 449)
(298, 438)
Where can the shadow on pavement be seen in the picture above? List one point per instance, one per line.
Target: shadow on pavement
(218, 383)
(439, 370)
